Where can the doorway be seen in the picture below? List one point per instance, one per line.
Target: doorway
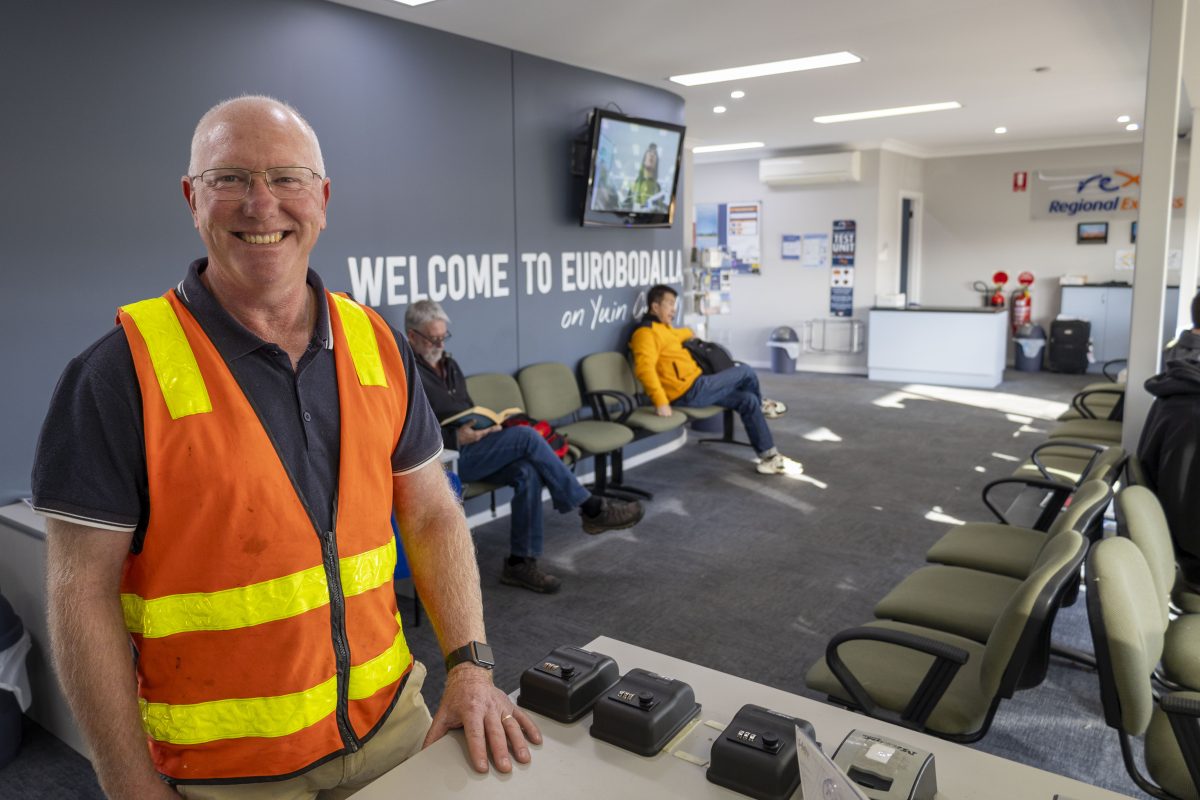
(909, 283)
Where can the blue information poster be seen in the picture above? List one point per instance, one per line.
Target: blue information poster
(841, 274)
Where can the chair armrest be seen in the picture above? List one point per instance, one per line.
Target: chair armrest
(947, 661)
(600, 408)
(1079, 401)
(1113, 363)
(1096, 449)
(1061, 491)
(1183, 712)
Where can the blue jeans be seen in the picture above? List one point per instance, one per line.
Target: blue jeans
(519, 457)
(735, 388)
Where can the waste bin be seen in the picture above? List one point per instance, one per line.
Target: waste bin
(1031, 343)
(14, 681)
(785, 349)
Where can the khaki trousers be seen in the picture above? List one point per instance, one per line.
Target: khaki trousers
(399, 738)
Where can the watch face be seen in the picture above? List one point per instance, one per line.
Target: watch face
(483, 654)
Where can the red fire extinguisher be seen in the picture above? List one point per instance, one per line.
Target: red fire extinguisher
(998, 280)
(1022, 302)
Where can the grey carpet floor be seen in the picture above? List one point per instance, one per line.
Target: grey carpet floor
(751, 574)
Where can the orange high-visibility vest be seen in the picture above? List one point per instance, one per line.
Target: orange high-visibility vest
(264, 645)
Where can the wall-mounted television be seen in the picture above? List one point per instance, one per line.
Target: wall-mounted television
(632, 172)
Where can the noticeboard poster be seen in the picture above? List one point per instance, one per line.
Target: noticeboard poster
(735, 229)
(841, 275)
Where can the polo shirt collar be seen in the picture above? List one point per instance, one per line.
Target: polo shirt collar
(229, 336)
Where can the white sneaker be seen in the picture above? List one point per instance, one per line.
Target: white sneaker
(779, 464)
(773, 409)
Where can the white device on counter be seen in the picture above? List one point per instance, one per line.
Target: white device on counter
(886, 769)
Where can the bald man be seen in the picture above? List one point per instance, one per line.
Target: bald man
(218, 474)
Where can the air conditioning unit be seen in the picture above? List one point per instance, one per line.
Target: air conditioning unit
(810, 170)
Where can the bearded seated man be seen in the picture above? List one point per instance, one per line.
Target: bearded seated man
(517, 456)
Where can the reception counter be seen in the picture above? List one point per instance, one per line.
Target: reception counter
(940, 345)
(572, 764)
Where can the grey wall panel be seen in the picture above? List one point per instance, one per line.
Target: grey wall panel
(552, 102)
(417, 128)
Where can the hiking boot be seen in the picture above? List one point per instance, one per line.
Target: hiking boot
(614, 515)
(779, 464)
(528, 576)
(773, 409)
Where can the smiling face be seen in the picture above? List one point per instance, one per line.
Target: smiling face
(259, 241)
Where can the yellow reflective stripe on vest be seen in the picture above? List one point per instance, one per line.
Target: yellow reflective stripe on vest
(234, 719)
(174, 363)
(369, 677)
(269, 716)
(360, 335)
(257, 603)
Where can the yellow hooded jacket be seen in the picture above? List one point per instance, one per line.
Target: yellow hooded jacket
(660, 361)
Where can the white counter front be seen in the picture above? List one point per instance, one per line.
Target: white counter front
(945, 346)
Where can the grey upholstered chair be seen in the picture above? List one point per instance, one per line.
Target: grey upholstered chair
(1140, 519)
(552, 393)
(944, 684)
(1011, 549)
(1127, 624)
(1073, 461)
(615, 396)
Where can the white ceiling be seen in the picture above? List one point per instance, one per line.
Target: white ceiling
(981, 53)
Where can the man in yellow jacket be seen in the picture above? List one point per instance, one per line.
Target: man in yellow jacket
(671, 375)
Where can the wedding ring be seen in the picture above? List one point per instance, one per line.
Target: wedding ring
(506, 717)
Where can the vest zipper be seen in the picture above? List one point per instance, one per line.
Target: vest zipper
(341, 644)
(333, 579)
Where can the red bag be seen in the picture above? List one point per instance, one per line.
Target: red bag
(556, 440)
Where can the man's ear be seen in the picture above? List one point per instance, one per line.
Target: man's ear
(189, 196)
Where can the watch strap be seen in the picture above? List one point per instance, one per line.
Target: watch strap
(465, 654)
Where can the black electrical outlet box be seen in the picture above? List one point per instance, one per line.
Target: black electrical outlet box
(643, 711)
(756, 754)
(566, 684)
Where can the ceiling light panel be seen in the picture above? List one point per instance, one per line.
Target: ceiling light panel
(721, 148)
(771, 68)
(887, 112)
(413, 2)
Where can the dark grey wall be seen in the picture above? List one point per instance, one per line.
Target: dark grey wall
(437, 145)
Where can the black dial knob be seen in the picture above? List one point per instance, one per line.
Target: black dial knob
(645, 699)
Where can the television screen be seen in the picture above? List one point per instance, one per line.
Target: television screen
(633, 171)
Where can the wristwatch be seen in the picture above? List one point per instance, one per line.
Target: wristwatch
(477, 653)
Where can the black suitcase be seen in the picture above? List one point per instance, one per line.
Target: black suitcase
(1067, 350)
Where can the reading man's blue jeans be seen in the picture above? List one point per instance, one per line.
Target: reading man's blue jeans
(736, 388)
(519, 457)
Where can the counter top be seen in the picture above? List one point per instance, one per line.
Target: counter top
(947, 309)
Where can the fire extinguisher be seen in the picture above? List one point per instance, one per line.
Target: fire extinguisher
(998, 280)
(1022, 302)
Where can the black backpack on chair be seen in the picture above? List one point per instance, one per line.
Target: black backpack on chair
(709, 356)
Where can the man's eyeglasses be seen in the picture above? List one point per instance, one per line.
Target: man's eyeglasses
(438, 342)
(233, 183)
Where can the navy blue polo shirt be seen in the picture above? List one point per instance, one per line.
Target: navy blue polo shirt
(90, 465)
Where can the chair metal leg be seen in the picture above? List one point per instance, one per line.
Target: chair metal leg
(618, 485)
(727, 436)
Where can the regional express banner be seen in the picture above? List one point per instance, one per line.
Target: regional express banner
(1068, 192)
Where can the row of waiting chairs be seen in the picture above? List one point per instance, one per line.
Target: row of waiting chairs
(974, 626)
(610, 412)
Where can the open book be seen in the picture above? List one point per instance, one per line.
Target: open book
(479, 417)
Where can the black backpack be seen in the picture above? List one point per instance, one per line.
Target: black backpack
(709, 356)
